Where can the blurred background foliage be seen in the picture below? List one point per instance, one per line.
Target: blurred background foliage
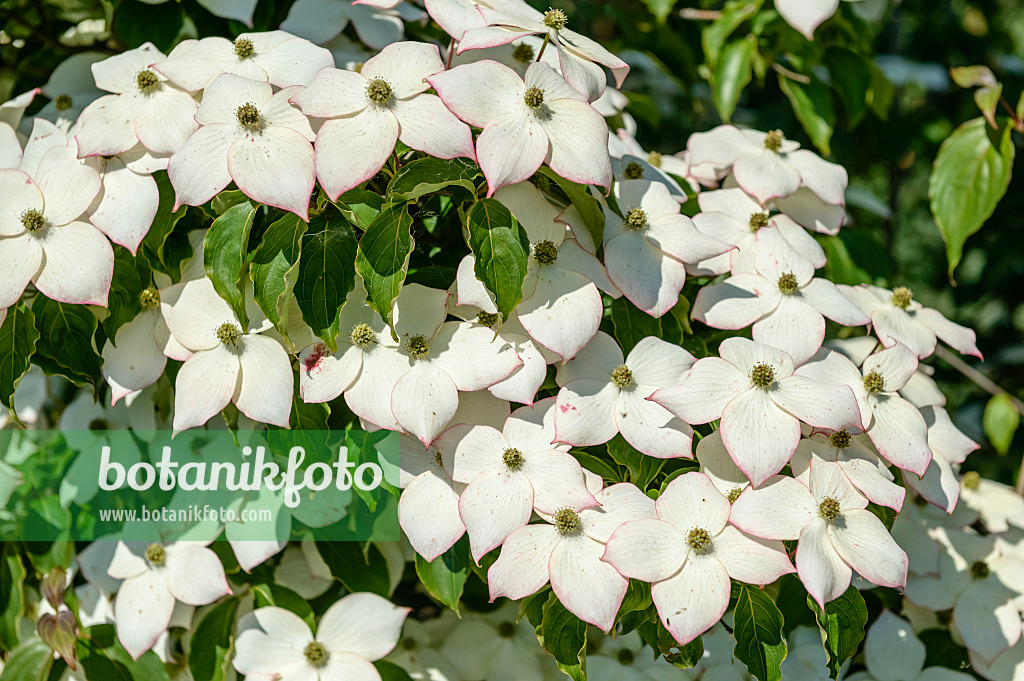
(872, 92)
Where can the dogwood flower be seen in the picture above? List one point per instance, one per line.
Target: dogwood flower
(836, 533)
(731, 216)
(239, 10)
(71, 88)
(602, 395)
(376, 26)
(645, 250)
(276, 57)
(782, 299)
(998, 506)
(896, 428)
(892, 652)
(767, 165)
(428, 509)
(229, 364)
(543, 120)
(897, 318)
(950, 447)
(806, 15)
(43, 240)
(367, 112)
(631, 162)
(717, 464)
(982, 583)
(498, 646)
(580, 58)
(144, 108)
(920, 390)
(567, 551)
(853, 452)
(690, 552)
(252, 136)
(510, 473)
(354, 632)
(156, 575)
(752, 388)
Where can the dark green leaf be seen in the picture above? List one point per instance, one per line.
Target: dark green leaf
(65, 345)
(326, 275)
(502, 252)
(12, 578)
(427, 175)
(718, 31)
(390, 671)
(131, 276)
(1001, 421)
(943, 651)
(733, 73)
(812, 104)
(564, 634)
(136, 23)
(587, 205)
(632, 325)
(360, 206)
(642, 469)
(30, 662)
(445, 576)
(163, 224)
(275, 268)
(969, 177)
(213, 642)
(224, 252)
(383, 257)
(283, 597)
(851, 76)
(358, 572)
(758, 633)
(842, 622)
(18, 336)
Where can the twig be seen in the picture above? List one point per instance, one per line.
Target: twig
(699, 14)
(792, 75)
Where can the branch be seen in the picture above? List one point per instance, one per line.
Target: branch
(976, 377)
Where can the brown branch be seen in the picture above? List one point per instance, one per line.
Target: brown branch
(699, 14)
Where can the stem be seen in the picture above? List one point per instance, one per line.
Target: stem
(792, 75)
(451, 53)
(699, 14)
(547, 39)
(1018, 124)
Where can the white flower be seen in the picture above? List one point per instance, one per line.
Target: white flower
(498, 646)
(376, 27)
(155, 576)
(354, 632)
(805, 16)
(71, 88)
(950, 447)
(624, 658)
(892, 651)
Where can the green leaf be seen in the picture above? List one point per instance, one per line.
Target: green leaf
(758, 633)
(389, 671)
(987, 99)
(659, 638)
(275, 268)
(428, 175)
(65, 345)
(12, 605)
(660, 8)
(851, 76)
(587, 205)
(969, 177)
(943, 651)
(1001, 420)
(31, 661)
(713, 36)
(224, 250)
(356, 570)
(326, 275)
(131, 276)
(18, 336)
(445, 576)
(733, 73)
(812, 104)
(642, 469)
(163, 224)
(564, 634)
(113, 663)
(213, 643)
(502, 251)
(973, 76)
(842, 625)
(135, 23)
(360, 206)
(227, 200)
(283, 597)
(632, 325)
(383, 257)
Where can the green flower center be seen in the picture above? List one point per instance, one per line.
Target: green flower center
(901, 297)
(98, 424)
(840, 439)
(625, 657)
(149, 299)
(636, 218)
(546, 252)
(506, 629)
(228, 333)
(379, 92)
(633, 171)
(244, 48)
(512, 458)
(734, 494)
(32, 220)
(622, 377)
(699, 539)
(762, 375)
(758, 220)
(316, 654)
(62, 102)
(773, 140)
(156, 555)
(523, 53)
(146, 80)
(829, 508)
(419, 347)
(488, 319)
(248, 116)
(438, 460)
(944, 617)
(972, 480)
(567, 521)
(980, 569)
(788, 284)
(408, 644)
(654, 158)
(362, 335)
(874, 383)
(534, 97)
(555, 18)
